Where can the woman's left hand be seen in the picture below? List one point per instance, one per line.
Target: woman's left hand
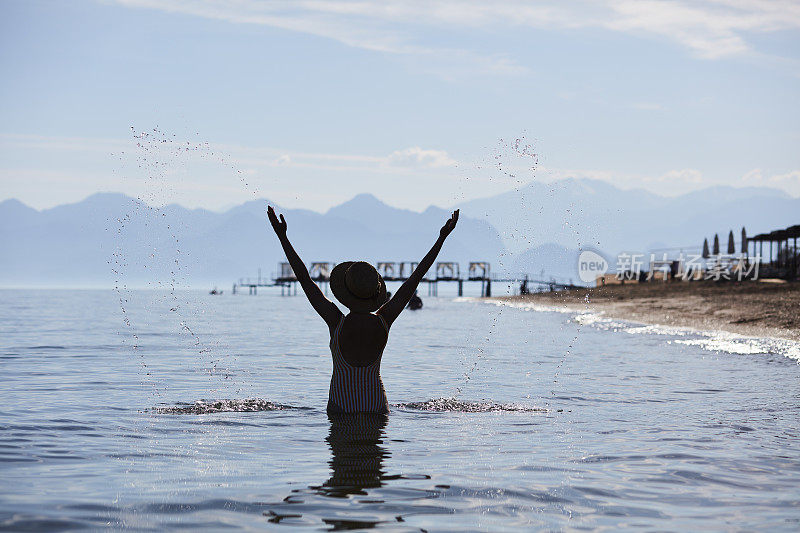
(278, 225)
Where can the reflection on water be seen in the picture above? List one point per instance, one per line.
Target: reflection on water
(357, 454)
(357, 467)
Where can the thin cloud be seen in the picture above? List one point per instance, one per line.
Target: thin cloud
(417, 157)
(787, 181)
(82, 144)
(710, 29)
(685, 176)
(245, 157)
(283, 160)
(356, 24)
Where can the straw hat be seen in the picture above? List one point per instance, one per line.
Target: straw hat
(358, 286)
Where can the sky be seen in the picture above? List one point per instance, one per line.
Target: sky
(209, 103)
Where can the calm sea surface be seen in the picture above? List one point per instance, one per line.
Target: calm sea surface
(504, 418)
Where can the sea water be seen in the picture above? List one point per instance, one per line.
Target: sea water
(148, 411)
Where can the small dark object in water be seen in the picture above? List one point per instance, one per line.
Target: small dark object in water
(215, 291)
(415, 302)
(523, 288)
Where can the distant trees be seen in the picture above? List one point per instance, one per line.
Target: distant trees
(744, 241)
(731, 244)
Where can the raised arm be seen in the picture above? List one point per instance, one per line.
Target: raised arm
(391, 309)
(324, 307)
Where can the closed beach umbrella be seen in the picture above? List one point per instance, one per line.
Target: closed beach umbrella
(716, 244)
(731, 245)
(744, 241)
(705, 249)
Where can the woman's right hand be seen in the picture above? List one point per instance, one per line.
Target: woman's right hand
(450, 225)
(278, 225)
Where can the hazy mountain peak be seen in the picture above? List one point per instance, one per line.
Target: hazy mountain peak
(435, 210)
(363, 201)
(14, 205)
(544, 223)
(730, 193)
(365, 197)
(579, 211)
(366, 206)
(107, 198)
(256, 207)
(99, 203)
(258, 202)
(13, 212)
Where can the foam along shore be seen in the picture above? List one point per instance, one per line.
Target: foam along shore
(766, 308)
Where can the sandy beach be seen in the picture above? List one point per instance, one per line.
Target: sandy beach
(761, 309)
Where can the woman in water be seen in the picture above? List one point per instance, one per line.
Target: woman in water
(358, 338)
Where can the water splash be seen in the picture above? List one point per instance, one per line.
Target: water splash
(201, 407)
(461, 406)
(159, 157)
(251, 405)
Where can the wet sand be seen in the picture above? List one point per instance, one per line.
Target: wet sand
(760, 309)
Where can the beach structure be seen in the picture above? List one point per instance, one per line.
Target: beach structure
(285, 279)
(665, 269)
(776, 253)
(443, 272)
(388, 270)
(447, 271)
(395, 271)
(406, 268)
(321, 273)
(609, 279)
(693, 272)
(781, 259)
(479, 270)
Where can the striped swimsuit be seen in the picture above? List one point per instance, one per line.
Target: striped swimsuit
(356, 389)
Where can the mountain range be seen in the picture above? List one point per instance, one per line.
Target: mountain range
(580, 213)
(110, 238)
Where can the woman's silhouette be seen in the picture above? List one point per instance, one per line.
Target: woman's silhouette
(358, 338)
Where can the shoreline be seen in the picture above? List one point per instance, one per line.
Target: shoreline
(754, 309)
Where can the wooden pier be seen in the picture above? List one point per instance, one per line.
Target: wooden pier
(444, 272)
